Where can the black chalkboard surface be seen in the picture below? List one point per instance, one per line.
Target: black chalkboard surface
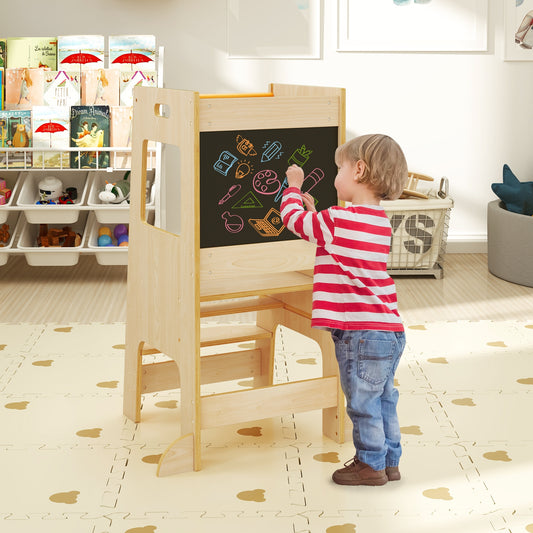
(242, 178)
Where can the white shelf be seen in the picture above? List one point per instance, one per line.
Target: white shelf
(22, 158)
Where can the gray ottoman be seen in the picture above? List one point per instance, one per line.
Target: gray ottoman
(510, 244)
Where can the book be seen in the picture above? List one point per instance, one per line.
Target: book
(100, 87)
(89, 128)
(24, 88)
(51, 129)
(80, 52)
(2, 85)
(61, 88)
(3, 53)
(132, 52)
(15, 132)
(31, 52)
(121, 129)
(129, 80)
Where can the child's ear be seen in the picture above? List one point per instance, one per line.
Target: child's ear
(359, 169)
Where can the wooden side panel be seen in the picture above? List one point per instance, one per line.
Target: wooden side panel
(163, 307)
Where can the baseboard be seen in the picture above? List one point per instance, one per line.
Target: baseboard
(466, 244)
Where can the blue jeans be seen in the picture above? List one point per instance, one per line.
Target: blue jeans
(367, 363)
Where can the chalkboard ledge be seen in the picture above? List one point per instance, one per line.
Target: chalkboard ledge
(242, 286)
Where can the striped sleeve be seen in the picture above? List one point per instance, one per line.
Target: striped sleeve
(318, 228)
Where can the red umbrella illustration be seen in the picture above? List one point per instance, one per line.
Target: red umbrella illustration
(50, 127)
(81, 58)
(132, 58)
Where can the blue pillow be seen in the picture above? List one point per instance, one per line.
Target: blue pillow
(515, 194)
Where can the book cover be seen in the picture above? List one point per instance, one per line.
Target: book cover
(121, 129)
(24, 88)
(61, 88)
(100, 87)
(80, 52)
(51, 129)
(31, 52)
(15, 132)
(89, 128)
(132, 52)
(3, 53)
(128, 81)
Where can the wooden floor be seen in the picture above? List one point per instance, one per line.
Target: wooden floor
(90, 292)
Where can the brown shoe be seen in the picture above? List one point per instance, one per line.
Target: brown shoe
(393, 473)
(357, 473)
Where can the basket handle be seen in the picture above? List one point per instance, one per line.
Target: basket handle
(444, 188)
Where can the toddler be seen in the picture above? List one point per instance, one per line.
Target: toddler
(354, 297)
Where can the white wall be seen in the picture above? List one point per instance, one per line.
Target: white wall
(460, 115)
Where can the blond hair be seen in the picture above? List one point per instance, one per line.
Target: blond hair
(385, 165)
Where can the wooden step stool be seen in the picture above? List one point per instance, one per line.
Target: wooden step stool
(172, 283)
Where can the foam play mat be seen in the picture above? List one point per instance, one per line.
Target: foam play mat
(71, 462)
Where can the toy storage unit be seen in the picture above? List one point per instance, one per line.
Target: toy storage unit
(23, 215)
(419, 234)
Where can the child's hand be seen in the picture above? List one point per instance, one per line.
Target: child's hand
(309, 202)
(295, 176)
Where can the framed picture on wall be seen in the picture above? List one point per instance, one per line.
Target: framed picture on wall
(412, 25)
(518, 30)
(276, 29)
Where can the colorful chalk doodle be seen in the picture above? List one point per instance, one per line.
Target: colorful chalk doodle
(266, 182)
(224, 162)
(243, 172)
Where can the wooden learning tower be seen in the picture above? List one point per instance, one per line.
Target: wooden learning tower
(173, 282)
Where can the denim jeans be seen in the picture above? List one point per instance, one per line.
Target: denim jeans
(367, 363)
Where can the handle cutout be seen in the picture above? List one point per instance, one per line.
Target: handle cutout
(162, 110)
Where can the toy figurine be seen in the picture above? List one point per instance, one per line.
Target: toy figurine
(50, 189)
(116, 193)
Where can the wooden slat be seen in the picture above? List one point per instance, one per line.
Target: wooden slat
(259, 259)
(228, 334)
(265, 284)
(266, 402)
(227, 114)
(241, 305)
(214, 368)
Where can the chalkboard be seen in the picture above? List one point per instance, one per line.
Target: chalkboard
(242, 178)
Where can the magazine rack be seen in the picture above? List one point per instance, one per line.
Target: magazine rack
(173, 283)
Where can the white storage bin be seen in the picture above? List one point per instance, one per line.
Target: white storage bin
(113, 213)
(13, 182)
(12, 220)
(50, 256)
(105, 255)
(52, 214)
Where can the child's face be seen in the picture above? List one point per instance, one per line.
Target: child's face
(344, 181)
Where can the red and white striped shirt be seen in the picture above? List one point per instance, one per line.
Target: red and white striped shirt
(351, 287)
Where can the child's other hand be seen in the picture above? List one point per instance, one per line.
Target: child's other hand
(309, 202)
(295, 176)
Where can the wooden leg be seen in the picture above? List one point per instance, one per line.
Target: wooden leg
(133, 379)
(178, 457)
(333, 417)
(269, 320)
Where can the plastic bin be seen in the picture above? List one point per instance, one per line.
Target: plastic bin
(13, 182)
(108, 255)
(112, 213)
(12, 220)
(52, 214)
(50, 256)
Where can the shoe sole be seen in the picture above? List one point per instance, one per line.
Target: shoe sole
(366, 482)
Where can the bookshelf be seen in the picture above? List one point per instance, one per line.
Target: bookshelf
(85, 216)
